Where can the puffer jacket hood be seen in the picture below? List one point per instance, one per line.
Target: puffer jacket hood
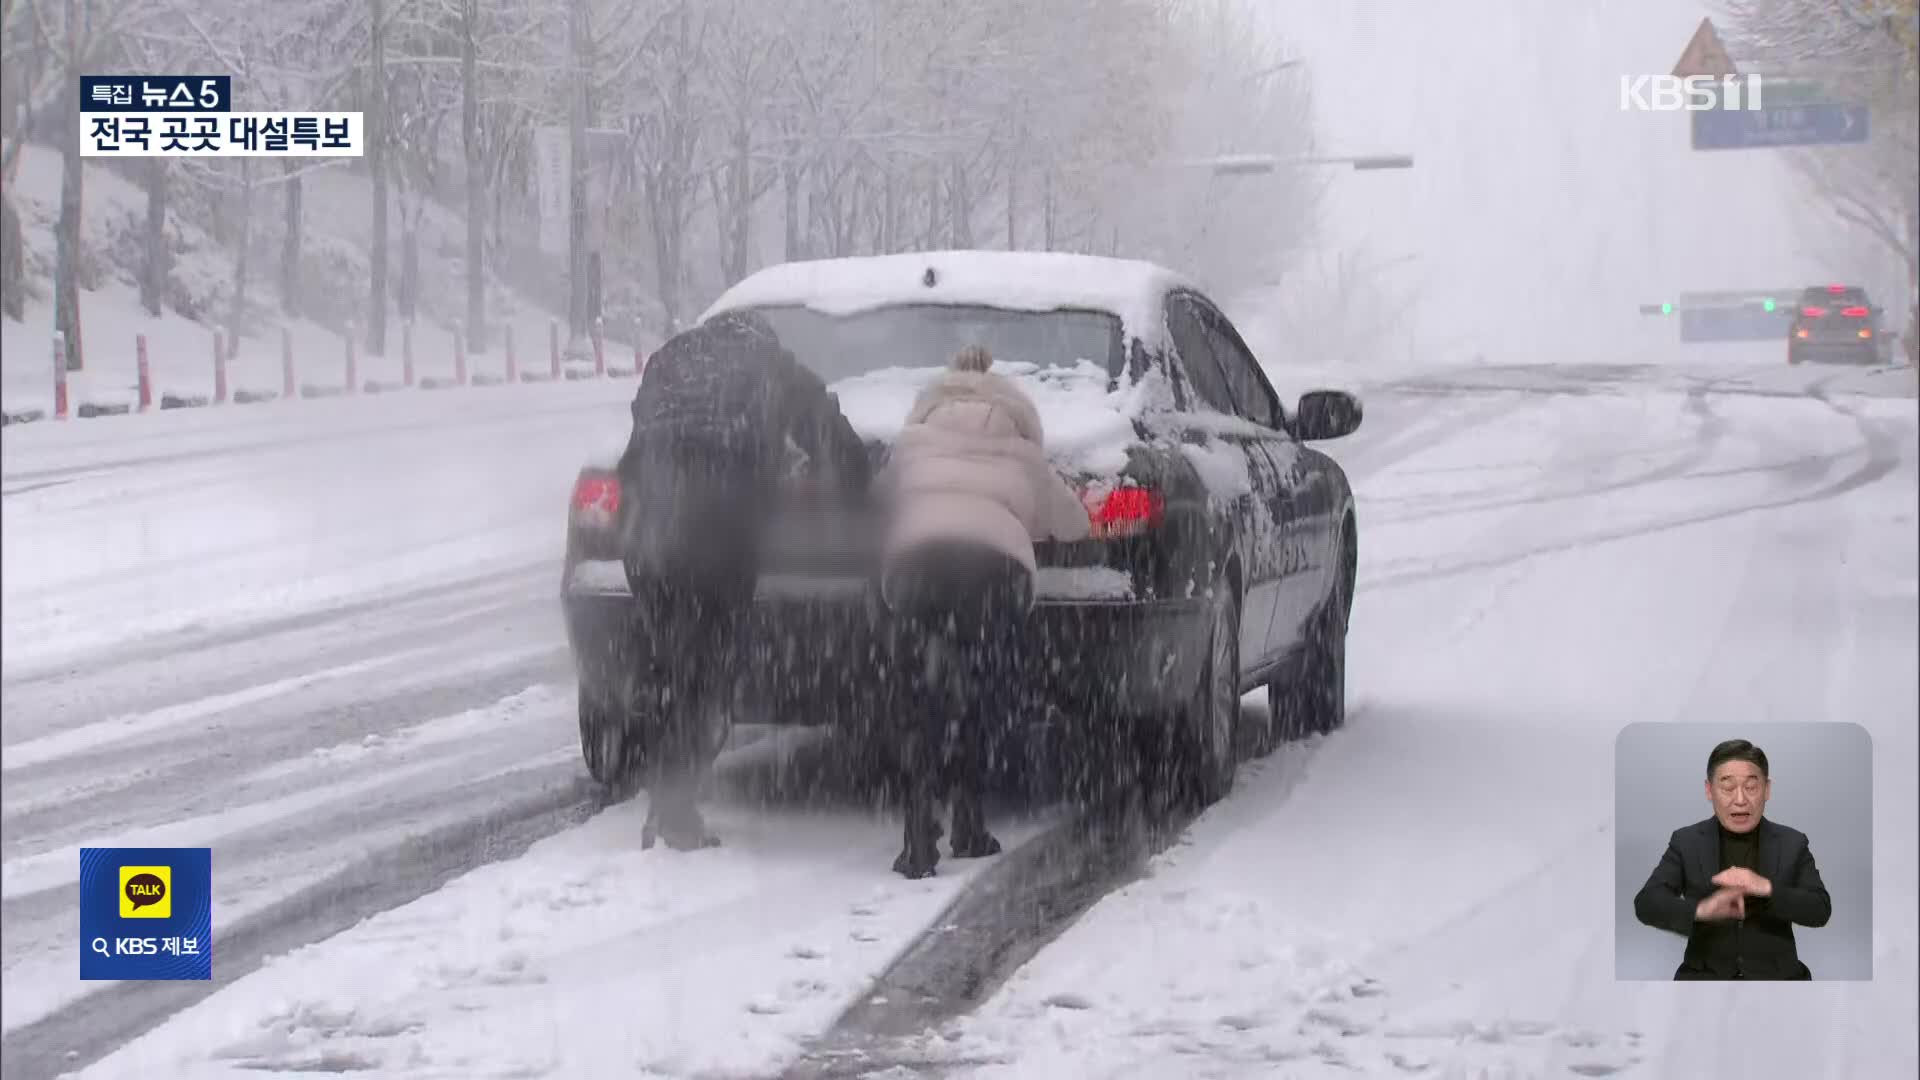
(970, 466)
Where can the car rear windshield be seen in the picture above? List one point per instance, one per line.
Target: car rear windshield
(928, 335)
(1822, 297)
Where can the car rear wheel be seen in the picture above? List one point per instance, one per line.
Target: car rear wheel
(603, 742)
(1192, 764)
(1314, 700)
(615, 748)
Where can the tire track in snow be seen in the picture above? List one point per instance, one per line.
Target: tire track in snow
(1883, 456)
(87, 1029)
(178, 644)
(1465, 415)
(266, 781)
(1027, 898)
(1710, 430)
(492, 820)
(1003, 918)
(114, 787)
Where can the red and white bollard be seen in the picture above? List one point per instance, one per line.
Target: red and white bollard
(406, 353)
(459, 355)
(144, 372)
(353, 361)
(287, 387)
(219, 368)
(599, 349)
(553, 346)
(513, 364)
(59, 376)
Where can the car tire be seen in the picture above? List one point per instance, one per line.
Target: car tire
(603, 742)
(613, 747)
(1284, 720)
(1191, 765)
(1314, 700)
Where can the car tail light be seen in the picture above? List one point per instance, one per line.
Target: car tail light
(1854, 312)
(1836, 289)
(596, 500)
(1125, 511)
(1813, 312)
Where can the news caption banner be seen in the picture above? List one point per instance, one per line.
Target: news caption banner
(192, 116)
(146, 913)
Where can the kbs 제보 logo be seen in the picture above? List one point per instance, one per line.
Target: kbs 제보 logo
(146, 913)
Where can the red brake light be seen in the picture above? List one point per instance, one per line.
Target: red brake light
(1854, 312)
(1127, 511)
(1836, 289)
(1813, 312)
(596, 500)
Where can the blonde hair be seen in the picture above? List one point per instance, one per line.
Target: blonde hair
(973, 358)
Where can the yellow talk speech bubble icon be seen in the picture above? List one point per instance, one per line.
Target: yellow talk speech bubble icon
(146, 892)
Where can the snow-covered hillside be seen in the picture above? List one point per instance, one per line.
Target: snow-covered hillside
(180, 343)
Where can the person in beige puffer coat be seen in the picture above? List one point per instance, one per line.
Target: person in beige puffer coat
(968, 489)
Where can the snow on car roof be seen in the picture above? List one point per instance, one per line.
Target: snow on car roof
(1012, 280)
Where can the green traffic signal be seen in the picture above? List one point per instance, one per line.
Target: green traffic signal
(1767, 303)
(1666, 309)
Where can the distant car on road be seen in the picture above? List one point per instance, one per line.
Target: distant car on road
(1224, 549)
(1834, 324)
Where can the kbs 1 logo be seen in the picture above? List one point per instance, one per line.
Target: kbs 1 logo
(1691, 93)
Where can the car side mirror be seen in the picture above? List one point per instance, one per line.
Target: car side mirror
(1326, 414)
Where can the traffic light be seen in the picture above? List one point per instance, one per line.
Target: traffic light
(1767, 304)
(1666, 309)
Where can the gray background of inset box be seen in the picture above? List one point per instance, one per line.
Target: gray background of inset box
(1822, 776)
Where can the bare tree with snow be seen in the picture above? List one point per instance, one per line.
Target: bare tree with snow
(73, 38)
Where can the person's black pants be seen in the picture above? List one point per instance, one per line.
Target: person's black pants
(696, 628)
(959, 610)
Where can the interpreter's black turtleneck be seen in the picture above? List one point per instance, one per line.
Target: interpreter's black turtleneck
(1740, 849)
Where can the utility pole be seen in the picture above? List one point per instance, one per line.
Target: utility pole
(577, 182)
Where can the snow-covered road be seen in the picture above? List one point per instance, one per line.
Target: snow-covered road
(1546, 555)
(1429, 893)
(207, 640)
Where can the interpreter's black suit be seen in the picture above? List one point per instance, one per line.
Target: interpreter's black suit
(1761, 945)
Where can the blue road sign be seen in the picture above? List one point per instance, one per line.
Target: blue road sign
(1787, 125)
(1746, 322)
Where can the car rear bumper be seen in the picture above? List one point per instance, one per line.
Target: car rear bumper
(820, 649)
(1834, 352)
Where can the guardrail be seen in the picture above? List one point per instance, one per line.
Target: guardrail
(224, 347)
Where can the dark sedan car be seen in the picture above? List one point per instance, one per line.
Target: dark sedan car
(1223, 549)
(1834, 324)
